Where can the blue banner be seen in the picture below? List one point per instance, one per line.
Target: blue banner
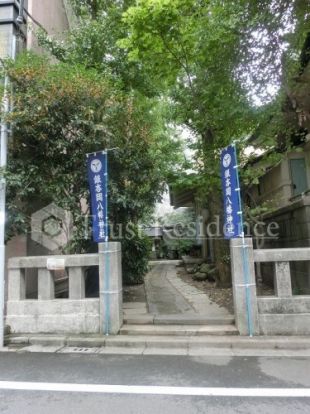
(231, 192)
(97, 167)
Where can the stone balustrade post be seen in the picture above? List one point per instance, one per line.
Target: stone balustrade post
(76, 283)
(16, 284)
(110, 287)
(282, 280)
(244, 286)
(46, 285)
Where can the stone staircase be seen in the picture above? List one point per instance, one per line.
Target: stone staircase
(138, 321)
(177, 335)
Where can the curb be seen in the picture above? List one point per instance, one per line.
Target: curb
(162, 345)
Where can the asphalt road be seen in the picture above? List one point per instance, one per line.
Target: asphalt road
(34, 383)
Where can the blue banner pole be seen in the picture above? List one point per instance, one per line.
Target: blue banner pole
(97, 164)
(107, 256)
(245, 257)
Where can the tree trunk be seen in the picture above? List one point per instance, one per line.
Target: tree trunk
(220, 245)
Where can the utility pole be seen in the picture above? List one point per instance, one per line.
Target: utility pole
(13, 16)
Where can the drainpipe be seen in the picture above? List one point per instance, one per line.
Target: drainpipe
(20, 18)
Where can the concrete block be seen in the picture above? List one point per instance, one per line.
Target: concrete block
(284, 324)
(71, 324)
(294, 304)
(52, 307)
(54, 316)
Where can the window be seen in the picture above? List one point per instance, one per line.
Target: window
(299, 175)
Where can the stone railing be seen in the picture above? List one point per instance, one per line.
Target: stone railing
(281, 314)
(76, 314)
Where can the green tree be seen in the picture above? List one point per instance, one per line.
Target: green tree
(62, 112)
(93, 44)
(217, 61)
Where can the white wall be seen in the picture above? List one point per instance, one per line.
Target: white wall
(51, 14)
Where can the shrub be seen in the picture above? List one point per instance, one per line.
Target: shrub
(136, 250)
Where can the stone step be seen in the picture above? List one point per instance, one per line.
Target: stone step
(144, 319)
(134, 305)
(178, 330)
(165, 262)
(148, 318)
(192, 320)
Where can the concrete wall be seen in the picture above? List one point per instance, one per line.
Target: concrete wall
(54, 316)
(52, 15)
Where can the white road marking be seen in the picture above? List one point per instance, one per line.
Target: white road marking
(157, 390)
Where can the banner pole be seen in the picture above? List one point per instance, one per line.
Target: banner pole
(107, 255)
(98, 178)
(245, 258)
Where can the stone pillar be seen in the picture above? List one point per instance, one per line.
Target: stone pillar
(110, 287)
(46, 285)
(243, 275)
(76, 283)
(17, 285)
(282, 282)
